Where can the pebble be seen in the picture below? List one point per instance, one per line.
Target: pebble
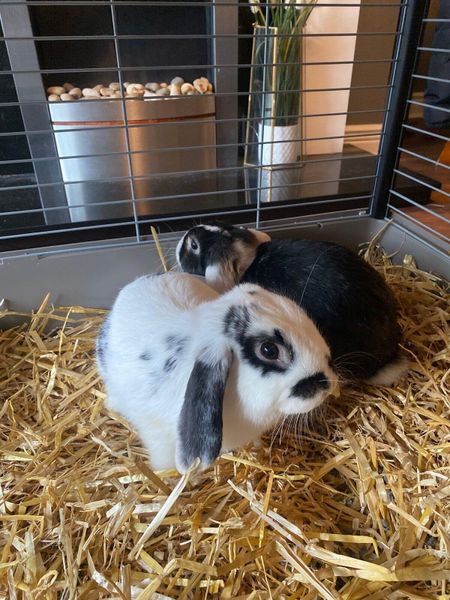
(106, 92)
(56, 90)
(135, 89)
(90, 93)
(187, 89)
(164, 91)
(175, 90)
(76, 93)
(177, 87)
(201, 85)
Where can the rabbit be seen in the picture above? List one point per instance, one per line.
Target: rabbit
(198, 373)
(349, 302)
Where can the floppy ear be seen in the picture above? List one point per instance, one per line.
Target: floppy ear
(260, 236)
(200, 420)
(221, 277)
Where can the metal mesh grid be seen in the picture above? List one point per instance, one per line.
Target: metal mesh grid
(419, 192)
(45, 199)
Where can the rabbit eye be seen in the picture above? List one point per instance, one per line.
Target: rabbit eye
(193, 244)
(269, 353)
(269, 350)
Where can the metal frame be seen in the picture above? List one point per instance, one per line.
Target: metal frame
(410, 24)
(91, 276)
(24, 63)
(18, 37)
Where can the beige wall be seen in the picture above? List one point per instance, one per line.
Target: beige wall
(374, 19)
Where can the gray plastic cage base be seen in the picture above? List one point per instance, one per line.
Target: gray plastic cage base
(92, 278)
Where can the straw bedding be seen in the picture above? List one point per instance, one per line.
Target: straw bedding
(354, 504)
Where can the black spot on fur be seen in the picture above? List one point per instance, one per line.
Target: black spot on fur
(145, 356)
(236, 321)
(308, 387)
(176, 343)
(170, 364)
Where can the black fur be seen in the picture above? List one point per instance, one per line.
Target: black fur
(200, 423)
(176, 343)
(145, 356)
(175, 346)
(248, 343)
(236, 321)
(170, 364)
(308, 387)
(346, 298)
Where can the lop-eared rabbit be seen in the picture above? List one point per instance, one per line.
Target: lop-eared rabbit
(198, 373)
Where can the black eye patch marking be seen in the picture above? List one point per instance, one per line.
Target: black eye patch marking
(236, 322)
(278, 337)
(308, 387)
(250, 342)
(145, 356)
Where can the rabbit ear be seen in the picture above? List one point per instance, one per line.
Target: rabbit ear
(260, 236)
(221, 276)
(200, 420)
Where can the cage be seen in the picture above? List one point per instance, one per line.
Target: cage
(82, 183)
(71, 188)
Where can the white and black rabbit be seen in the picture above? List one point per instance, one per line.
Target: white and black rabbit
(198, 373)
(347, 299)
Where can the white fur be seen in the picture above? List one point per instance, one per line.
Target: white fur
(178, 248)
(218, 279)
(391, 373)
(211, 227)
(152, 308)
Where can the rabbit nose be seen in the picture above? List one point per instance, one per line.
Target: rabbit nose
(310, 386)
(334, 389)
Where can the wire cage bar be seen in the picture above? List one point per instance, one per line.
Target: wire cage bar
(412, 185)
(101, 171)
